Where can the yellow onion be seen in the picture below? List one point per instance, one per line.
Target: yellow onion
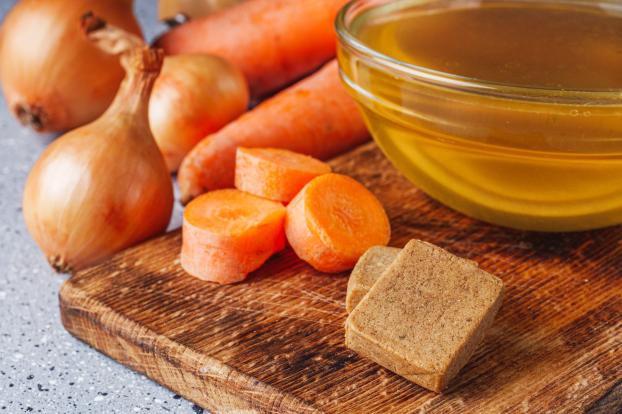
(104, 186)
(171, 10)
(194, 96)
(53, 78)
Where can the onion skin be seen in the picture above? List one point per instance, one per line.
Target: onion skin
(80, 209)
(194, 96)
(102, 187)
(53, 77)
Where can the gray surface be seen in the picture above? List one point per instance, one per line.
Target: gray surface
(42, 368)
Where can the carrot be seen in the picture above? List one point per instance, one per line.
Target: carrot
(332, 222)
(315, 117)
(227, 234)
(275, 174)
(273, 42)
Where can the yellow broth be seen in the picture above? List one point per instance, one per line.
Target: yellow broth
(533, 153)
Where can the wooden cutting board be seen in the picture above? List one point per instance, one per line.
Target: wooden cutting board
(275, 343)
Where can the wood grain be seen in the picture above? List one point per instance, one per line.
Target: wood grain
(275, 343)
(610, 403)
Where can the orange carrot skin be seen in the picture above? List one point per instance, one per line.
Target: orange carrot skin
(225, 266)
(318, 245)
(275, 174)
(273, 42)
(314, 253)
(224, 254)
(315, 117)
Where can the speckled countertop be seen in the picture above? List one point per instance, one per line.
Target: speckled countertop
(43, 369)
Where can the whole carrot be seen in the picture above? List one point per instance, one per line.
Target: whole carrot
(273, 42)
(315, 117)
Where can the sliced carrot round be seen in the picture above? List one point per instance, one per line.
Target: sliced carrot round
(333, 221)
(275, 174)
(228, 233)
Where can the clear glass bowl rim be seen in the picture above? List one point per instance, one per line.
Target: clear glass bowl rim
(421, 74)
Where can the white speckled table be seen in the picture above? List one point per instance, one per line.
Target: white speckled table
(43, 369)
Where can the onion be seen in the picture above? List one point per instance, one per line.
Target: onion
(53, 78)
(103, 187)
(171, 10)
(194, 96)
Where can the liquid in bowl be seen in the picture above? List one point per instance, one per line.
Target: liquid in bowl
(509, 111)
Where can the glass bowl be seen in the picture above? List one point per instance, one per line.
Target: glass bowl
(528, 158)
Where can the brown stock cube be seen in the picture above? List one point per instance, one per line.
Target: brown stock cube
(367, 271)
(426, 315)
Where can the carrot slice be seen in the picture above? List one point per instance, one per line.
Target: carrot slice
(227, 234)
(333, 221)
(275, 174)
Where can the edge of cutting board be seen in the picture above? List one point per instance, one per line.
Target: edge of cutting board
(214, 386)
(275, 343)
